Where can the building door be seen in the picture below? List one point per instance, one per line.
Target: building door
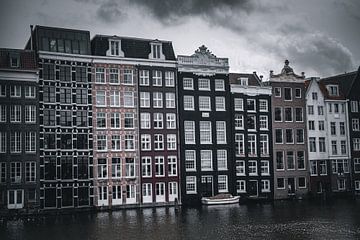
(207, 188)
(103, 196)
(291, 185)
(253, 188)
(15, 199)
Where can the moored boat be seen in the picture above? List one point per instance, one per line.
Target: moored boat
(220, 199)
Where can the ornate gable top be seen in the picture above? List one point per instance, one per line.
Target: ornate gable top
(286, 73)
(287, 69)
(203, 51)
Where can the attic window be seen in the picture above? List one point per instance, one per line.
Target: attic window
(115, 48)
(333, 90)
(243, 81)
(14, 61)
(156, 50)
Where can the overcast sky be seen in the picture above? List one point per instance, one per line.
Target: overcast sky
(319, 37)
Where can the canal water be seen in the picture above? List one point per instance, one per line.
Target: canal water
(280, 220)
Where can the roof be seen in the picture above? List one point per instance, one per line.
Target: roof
(253, 79)
(344, 81)
(26, 59)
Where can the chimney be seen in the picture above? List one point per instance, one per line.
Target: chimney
(303, 74)
(271, 73)
(31, 37)
(261, 78)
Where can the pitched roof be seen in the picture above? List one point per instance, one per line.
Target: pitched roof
(253, 79)
(26, 59)
(344, 81)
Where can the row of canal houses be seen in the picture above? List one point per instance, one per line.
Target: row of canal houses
(117, 122)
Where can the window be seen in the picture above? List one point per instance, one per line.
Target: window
(101, 143)
(240, 168)
(302, 182)
(311, 110)
(322, 167)
(220, 132)
(322, 145)
(204, 103)
(263, 105)
(100, 75)
(15, 113)
(239, 104)
(189, 128)
(188, 84)
(342, 128)
(66, 118)
(206, 160)
(204, 84)
(279, 160)
(157, 100)
(311, 125)
(101, 120)
(81, 96)
(129, 99)
(333, 90)
(129, 142)
(355, 124)
(264, 144)
(356, 144)
(343, 147)
(159, 166)
(30, 113)
(300, 155)
(145, 142)
(219, 85)
(129, 120)
(288, 114)
(172, 166)
(30, 142)
(251, 122)
(128, 77)
(115, 142)
(334, 147)
(116, 168)
(290, 160)
(278, 114)
(239, 121)
(157, 78)
(2, 90)
(354, 106)
(357, 185)
(357, 165)
(321, 125)
(251, 144)
(297, 92)
(243, 81)
(320, 110)
(114, 47)
(144, 77)
(170, 100)
(278, 136)
(239, 144)
(2, 172)
(3, 142)
(114, 76)
(169, 79)
(330, 107)
(265, 168)
(300, 136)
(333, 128)
(265, 185)
(129, 167)
(287, 94)
(281, 183)
(102, 168)
(277, 92)
(241, 186)
(15, 172)
(251, 105)
(222, 183)
(222, 159)
(146, 166)
(190, 185)
(205, 132)
(145, 121)
(115, 120)
(15, 142)
(312, 143)
(170, 121)
(289, 136)
(30, 92)
(190, 160)
(252, 168)
(100, 99)
(2, 113)
(340, 166)
(171, 141)
(188, 103)
(114, 98)
(220, 103)
(30, 171)
(158, 121)
(314, 95)
(15, 91)
(158, 142)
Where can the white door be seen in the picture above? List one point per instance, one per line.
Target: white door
(103, 196)
(147, 193)
(160, 192)
(116, 195)
(15, 199)
(130, 194)
(173, 191)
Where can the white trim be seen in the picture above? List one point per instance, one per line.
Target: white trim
(251, 90)
(23, 76)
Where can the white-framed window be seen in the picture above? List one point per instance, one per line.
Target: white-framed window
(223, 183)
(172, 166)
(289, 136)
(357, 185)
(145, 121)
(128, 77)
(3, 113)
(129, 167)
(170, 100)
(251, 105)
(333, 90)
(343, 147)
(278, 114)
(220, 103)
(297, 92)
(160, 191)
(265, 168)
(287, 94)
(357, 165)
(265, 185)
(157, 99)
(239, 144)
(300, 157)
(278, 136)
(190, 160)
(239, 121)
(206, 160)
(147, 192)
(205, 132)
(102, 168)
(244, 81)
(204, 84)
(313, 168)
(189, 129)
(146, 167)
(252, 145)
(240, 186)
(15, 113)
(221, 132)
(115, 46)
(101, 142)
(159, 166)
(158, 142)
(30, 171)
(30, 91)
(169, 79)
(252, 167)
(144, 78)
(100, 98)
(280, 183)
(322, 168)
(320, 110)
(288, 112)
(279, 157)
(191, 185)
(144, 99)
(263, 119)
(189, 103)
(100, 120)
(114, 98)
(3, 142)
(204, 103)
(115, 120)
(219, 85)
(251, 122)
(340, 166)
(157, 78)
(15, 91)
(277, 92)
(354, 106)
(116, 169)
(188, 84)
(222, 159)
(2, 90)
(129, 99)
(145, 142)
(355, 124)
(170, 121)
(171, 141)
(15, 172)
(302, 182)
(342, 128)
(30, 113)
(100, 75)
(290, 160)
(114, 76)
(240, 168)
(264, 144)
(356, 144)
(158, 121)
(15, 142)
(129, 142)
(263, 105)
(30, 142)
(321, 125)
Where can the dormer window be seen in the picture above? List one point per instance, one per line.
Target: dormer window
(14, 61)
(115, 48)
(156, 50)
(333, 90)
(243, 81)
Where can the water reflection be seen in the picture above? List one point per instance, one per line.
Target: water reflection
(281, 220)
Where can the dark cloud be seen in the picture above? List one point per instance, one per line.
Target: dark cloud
(110, 11)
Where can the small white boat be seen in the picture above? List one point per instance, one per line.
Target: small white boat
(220, 199)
